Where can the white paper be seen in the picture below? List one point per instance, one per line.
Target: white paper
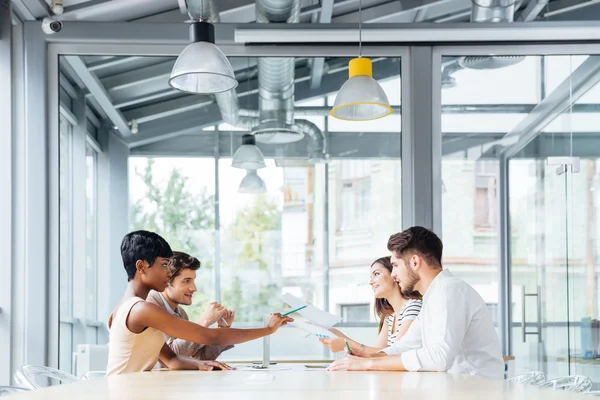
(312, 328)
(315, 315)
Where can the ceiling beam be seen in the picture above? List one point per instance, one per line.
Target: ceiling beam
(113, 10)
(558, 7)
(167, 108)
(532, 10)
(585, 77)
(31, 9)
(99, 93)
(394, 11)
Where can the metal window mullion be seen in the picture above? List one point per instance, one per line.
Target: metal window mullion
(79, 223)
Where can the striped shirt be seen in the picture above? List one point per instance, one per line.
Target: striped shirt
(409, 312)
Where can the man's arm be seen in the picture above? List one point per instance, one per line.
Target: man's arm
(446, 332)
(353, 363)
(197, 351)
(178, 362)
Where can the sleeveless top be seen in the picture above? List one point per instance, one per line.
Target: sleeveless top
(410, 312)
(131, 352)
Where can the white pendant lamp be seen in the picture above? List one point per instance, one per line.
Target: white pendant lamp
(252, 183)
(202, 68)
(360, 98)
(248, 156)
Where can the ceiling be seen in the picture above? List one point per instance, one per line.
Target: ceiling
(241, 11)
(133, 95)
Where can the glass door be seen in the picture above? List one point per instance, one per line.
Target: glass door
(539, 257)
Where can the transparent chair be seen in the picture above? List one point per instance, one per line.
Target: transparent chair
(28, 376)
(7, 390)
(530, 378)
(93, 375)
(575, 383)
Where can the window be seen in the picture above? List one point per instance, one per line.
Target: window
(65, 246)
(355, 312)
(325, 215)
(354, 183)
(183, 212)
(91, 229)
(485, 195)
(78, 241)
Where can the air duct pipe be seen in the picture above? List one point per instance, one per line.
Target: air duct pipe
(274, 122)
(493, 10)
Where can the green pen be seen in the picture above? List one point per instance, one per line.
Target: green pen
(293, 311)
(348, 347)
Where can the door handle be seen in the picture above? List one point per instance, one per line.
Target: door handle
(539, 313)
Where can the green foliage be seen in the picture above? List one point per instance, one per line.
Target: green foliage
(186, 220)
(173, 211)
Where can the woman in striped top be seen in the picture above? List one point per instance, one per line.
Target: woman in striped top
(388, 298)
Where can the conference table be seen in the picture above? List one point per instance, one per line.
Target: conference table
(289, 382)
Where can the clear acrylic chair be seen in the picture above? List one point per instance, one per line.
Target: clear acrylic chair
(530, 378)
(93, 375)
(7, 390)
(29, 376)
(575, 383)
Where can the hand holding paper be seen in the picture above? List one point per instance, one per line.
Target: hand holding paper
(317, 321)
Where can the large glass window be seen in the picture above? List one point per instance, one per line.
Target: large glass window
(78, 242)
(324, 216)
(175, 197)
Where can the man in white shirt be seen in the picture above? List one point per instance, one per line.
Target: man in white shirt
(454, 331)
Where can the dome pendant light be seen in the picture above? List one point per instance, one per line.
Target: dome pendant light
(361, 98)
(202, 67)
(252, 183)
(248, 155)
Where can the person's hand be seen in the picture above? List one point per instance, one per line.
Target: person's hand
(276, 321)
(214, 311)
(334, 344)
(350, 363)
(213, 365)
(336, 332)
(228, 316)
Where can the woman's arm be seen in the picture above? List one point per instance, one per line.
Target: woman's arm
(338, 344)
(403, 329)
(177, 362)
(145, 314)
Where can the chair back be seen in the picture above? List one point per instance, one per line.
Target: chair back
(530, 378)
(93, 375)
(29, 376)
(575, 383)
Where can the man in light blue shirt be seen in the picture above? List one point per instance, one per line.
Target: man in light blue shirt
(454, 331)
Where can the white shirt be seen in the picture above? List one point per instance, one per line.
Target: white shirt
(454, 332)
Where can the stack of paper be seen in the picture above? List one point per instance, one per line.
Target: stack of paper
(317, 321)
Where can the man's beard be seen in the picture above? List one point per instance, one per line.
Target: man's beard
(407, 286)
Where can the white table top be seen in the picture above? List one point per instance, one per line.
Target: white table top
(295, 382)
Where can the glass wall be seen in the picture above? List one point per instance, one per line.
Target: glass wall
(79, 322)
(498, 110)
(313, 232)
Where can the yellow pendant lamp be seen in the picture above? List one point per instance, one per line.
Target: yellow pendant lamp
(360, 98)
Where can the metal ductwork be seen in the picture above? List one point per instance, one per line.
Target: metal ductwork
(276, 80)
(274, 122)
(316, 148)
(493, 10)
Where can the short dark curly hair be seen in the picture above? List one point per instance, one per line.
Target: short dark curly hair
(145, 246)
